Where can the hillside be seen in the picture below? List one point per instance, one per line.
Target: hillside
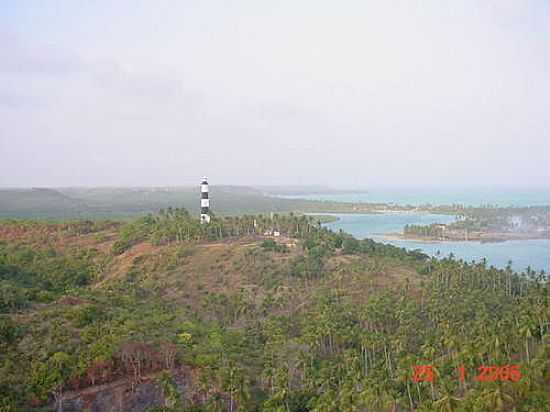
(39, 203)
(164, 314)
(124, 203)
(93, 203)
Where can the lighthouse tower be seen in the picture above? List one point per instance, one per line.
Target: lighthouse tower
(205, 202)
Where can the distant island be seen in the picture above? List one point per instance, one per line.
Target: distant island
(487, 224)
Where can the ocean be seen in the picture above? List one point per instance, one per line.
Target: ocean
(522, 253)
(442, 196)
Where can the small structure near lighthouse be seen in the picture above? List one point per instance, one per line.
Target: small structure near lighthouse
(205, 202)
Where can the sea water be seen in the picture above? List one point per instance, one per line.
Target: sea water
(522, 253)
(441, 196)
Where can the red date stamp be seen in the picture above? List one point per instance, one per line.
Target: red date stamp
(423, 373)
(505, 373)
(511, 373)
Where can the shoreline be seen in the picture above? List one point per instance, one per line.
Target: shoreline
(483, 238)
(379, 212)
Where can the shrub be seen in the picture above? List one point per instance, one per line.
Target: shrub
(271, 246)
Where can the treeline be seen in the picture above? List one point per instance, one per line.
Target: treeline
(443, 231)
(533, 219)
(504, 218)
(433, 230)
(178, 225)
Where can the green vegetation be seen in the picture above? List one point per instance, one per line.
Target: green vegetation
(435, 230)
(125, 203)
(177, 225)
(272, 246)
(325, 218)
(311, 320)
(489, 223)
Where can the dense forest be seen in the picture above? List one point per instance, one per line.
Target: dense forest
(228, 317)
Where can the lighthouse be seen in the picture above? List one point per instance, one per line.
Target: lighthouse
(205, 202)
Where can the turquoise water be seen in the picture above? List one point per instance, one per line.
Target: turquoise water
(523, 253)
(443, 196)
(366, 225)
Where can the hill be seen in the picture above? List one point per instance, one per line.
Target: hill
(39, 203)
(161, 313)
(100, 203)
(125, 203)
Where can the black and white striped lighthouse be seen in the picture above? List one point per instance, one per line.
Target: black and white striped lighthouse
(205, 202)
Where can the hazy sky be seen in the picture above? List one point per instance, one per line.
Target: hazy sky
(349, 93)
